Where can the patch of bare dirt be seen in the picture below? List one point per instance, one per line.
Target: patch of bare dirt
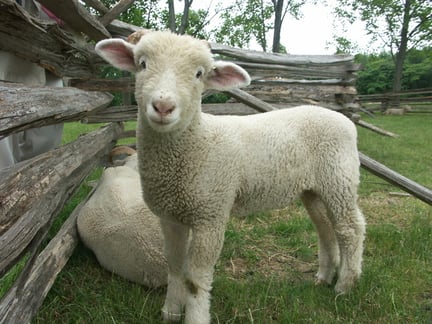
(269, 263)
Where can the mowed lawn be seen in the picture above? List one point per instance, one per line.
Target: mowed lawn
(266, 271)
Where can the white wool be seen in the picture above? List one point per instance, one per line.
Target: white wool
(119, 228)
(197, 169)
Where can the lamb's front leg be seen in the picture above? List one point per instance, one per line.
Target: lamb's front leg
(176, 238)
(204, 251)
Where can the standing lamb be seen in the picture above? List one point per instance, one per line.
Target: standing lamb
(197, 169)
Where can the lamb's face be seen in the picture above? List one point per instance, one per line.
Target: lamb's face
(172, 71)
(170, 79)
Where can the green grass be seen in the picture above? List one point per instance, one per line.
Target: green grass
(265, 273)
(410, 154)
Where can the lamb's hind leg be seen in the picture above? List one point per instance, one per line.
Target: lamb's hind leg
(176, 238)
(350, 227)
(328, 247)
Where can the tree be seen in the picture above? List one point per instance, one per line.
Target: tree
(418, 69)
(191, 22)
(377, 73)
(244, 21)
(143, 13)
(280, 11)
(172, 17)
(252, 19)
(400, 24)
(197, 20)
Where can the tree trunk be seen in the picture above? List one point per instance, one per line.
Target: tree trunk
(278, 6)
(185, 18)
(171, 16)
(262, 35)
(401, 54)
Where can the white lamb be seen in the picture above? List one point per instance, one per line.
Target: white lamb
(197, 169)
(122, 232)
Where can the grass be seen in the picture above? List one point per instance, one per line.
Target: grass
(410, 154)
(265, 273)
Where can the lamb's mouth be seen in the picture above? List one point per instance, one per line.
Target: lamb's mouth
(161, 123)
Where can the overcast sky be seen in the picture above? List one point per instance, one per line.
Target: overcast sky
(311, 34)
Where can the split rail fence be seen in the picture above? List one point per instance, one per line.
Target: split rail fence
(420, 99)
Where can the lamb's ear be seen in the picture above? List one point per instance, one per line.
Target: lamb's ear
(226, 76)
(118, 53)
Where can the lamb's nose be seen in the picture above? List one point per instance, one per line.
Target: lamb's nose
(163, 108)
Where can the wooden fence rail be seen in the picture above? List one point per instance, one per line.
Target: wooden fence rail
(31, 193)
(26, 296)
(419, 96)
(25, 107)
(380, 170)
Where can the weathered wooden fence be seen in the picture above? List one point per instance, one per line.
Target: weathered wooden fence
(421, 98)
(33, 192)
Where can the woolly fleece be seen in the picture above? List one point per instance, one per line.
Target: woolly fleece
(118, 227)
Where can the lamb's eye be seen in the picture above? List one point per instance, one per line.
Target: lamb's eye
(142, 64)
(199, 74)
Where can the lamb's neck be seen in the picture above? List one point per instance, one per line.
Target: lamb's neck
(171, 153)
(178, 138)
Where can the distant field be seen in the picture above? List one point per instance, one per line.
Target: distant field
(265, 274)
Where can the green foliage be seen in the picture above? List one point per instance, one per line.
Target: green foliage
(216, 98)
(418, 69)
(251, 20)
(152, 15)
(344, 45)
(196, 22)
(244, 21)
(143, 13)
(399, 25)
(377, 75)
(383, 20)
(110, 72)
(378, 71)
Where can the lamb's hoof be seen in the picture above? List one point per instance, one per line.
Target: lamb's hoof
(344, 287)
(321, 282)
(345, 283)
(171, 317)
(340, 290)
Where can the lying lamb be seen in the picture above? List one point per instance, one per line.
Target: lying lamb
(397, 111)
(197, 169)
(118, 227)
